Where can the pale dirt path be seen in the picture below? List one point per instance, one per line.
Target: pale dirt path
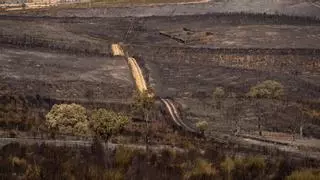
(137, 75)
(285, 148)
(82, 143)
(315, 3)
(113, 146)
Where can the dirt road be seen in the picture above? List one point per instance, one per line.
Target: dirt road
(80, 143)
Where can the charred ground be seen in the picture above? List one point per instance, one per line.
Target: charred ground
(47, 60)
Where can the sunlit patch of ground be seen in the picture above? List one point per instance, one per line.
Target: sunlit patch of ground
(92, 4)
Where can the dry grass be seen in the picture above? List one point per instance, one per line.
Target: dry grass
(307, 174)
(123, 156)
(200, 169)
(16, 161)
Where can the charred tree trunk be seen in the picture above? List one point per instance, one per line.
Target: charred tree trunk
(260, 117)
(259, 126)
(147, 131)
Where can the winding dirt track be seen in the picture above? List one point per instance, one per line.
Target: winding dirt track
(173, 115)
(315, 3)
(142, 87)
(136, 71)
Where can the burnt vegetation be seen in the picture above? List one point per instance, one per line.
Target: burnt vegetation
(60, 81)
(49, 162)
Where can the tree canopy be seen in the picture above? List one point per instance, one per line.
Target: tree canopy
(219, 93)
(143, 103)
(267, 89)
(105, 123)
(68, 119)
(202, 125)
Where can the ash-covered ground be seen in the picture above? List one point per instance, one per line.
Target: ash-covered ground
(63, 76)
(182, 57)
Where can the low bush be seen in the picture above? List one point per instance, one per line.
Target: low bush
(123, 156)
(227, 166)
(252, 167)
(307, 174)
(200, 169)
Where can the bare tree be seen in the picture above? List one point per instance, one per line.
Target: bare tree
(234, 115)
(302, 114)
(260, 113)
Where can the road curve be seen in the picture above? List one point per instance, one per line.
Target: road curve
(315, 3)
(175, 115)
(142, 86)
(179, 117)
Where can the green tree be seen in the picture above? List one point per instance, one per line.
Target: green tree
(144, 104)
(68, 119)
(269, 89)
(202, 126)
(105, 123)
(303, 113)
(218, 95)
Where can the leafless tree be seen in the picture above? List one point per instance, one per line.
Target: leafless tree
(234, 114)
